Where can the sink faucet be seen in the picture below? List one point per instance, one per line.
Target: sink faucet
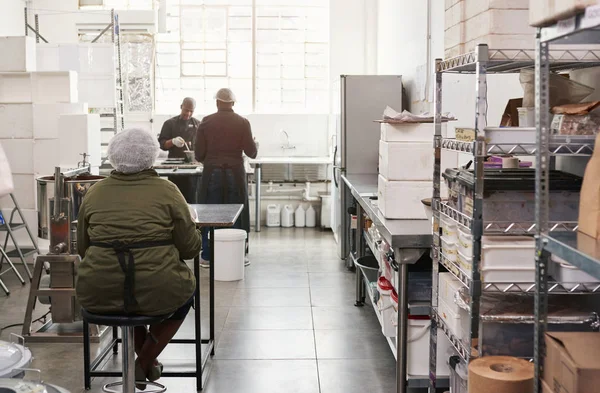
(286, 145)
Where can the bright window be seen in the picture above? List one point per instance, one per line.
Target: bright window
(272, 53)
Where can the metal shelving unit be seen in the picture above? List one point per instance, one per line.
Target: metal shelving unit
(578, 249)
(481, 62)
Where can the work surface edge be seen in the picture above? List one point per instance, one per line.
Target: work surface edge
(218, 215)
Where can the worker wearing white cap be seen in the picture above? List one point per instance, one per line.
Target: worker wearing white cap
(222, 140)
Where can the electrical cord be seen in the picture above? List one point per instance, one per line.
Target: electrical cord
(43, 317)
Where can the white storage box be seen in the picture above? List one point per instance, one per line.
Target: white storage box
(448, 287)
(508, 135)
(449, 250)
(418, 349)
(406, 161)
(568, 275)
(79, 134)
(465, 242)
(16, 121)
(19, 153)
(455, 318)
(410, 132)
(46, 156)
(464, 262)
(19, 54)
(402, 199)
(386, 312)
(45, 118)
(509, 253)
(449, 229)
(15, 88)
(229, 254)
(24, 192)
(54, 87)
(546, 12)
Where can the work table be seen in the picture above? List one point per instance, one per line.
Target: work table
(292, 160)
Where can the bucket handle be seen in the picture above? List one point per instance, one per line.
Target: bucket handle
(20, 339)
(33, 370)
(420, 333)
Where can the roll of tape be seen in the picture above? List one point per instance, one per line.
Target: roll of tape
(500, 374)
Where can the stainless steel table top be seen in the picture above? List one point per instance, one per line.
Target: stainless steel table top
(217, 215)
(398, 233)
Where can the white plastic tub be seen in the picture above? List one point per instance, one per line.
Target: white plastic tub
(465, 242)
(494, 275)
(455, 318)
(448, 286)
(568, 275)
(526, 117)
(449, 249)
(389, 314)
(464, 262)
(418, 349)
(504, 252)
(449, 229)
(14, 357)
(230, 247)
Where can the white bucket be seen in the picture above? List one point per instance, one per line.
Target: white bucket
(230, 247)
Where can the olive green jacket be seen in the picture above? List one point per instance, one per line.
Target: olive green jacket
(135, 208)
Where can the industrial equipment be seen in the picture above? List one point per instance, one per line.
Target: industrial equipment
(54, 273)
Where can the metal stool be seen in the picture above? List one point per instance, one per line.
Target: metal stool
(126, 323)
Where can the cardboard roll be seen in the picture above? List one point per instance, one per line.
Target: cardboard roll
(500, 374)
(19, 386)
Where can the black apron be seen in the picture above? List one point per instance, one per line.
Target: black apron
(129, 300)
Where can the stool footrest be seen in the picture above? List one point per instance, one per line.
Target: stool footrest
(159, 387)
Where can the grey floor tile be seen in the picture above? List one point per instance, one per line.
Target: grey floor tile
(268, 279)
(266, 344)
(347, 280)
(357, 376)
(329, 265)
(331, 297)
(345, 318)
(352, 344)
(272, 297)
(269, 318)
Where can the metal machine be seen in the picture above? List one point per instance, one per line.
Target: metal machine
(54, 273)
(363, 99)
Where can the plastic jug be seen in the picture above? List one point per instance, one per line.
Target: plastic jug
(300, 217)
(273, 215)
(311, 217)
(287, 216)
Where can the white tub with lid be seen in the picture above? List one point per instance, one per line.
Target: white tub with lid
(449, 229)
(465, 242)
(464, 262)
(14, 357)
(568, 275)
(230, 249)
(20, 386)
(508, 252)
(449, 250)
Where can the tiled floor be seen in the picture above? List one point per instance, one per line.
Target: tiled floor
(289, 326)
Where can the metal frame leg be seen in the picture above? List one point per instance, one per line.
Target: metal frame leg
(128, 359)
(212, 289)
(257, 202)
(402, 333)
(198, 323)
(360, 252)
(86, 356)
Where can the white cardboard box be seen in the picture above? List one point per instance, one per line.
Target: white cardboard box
(16, 121)
(546, 12)
(97, 91)
(406, 160)
(46, 156)
(19, 54)
(410, 132)
(498, 22)
(45, 118)
(79, 134)
(402, 199)
(54, 87)
(475, 7)
(19, 153)
(15, 88)
(24, 192)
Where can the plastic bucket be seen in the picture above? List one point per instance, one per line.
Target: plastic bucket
(230, 247)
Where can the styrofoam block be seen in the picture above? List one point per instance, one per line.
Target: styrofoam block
(454, 35)
(454, 15)
(97, 59)
(410, 132)
(450, 3)
(16, 121)
(475, 7)
(402, 199)
(406, 160)
(498, 22)
(24, 192)
(47, 57)
(79, 134)
(20, 54)
(21, 235)
(46, 156)
(97, 91)
(504, 41)
(15, 87)
(19, 153)
(454, 51)
(53, 87)
(45, 118)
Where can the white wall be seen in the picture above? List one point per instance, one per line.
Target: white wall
(12, 18)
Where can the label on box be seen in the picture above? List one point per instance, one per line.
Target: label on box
(465, 134)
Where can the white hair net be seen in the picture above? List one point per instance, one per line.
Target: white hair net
(133, 150)
(225, 95)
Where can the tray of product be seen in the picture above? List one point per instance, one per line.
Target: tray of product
(509, 194)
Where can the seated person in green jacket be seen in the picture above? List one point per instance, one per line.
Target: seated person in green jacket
(135, 213)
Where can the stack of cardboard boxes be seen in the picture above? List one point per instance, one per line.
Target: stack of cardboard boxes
(42, 123)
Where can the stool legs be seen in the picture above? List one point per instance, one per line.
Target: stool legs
(128, 360)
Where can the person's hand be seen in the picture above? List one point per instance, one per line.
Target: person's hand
(256, 143)
(179, 141)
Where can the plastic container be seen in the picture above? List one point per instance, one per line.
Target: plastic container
(21, 386)
(325, 210)
(448, 287)
(287, 216)
(449, 249)
(459, 374)
(450, 175)
(300, 217)
(273, 216)
(311, 217)
(14, 356)
(419, 286)
(465, 242)
(455, 318)
(230, 247)
(508, 252)
(568, 275)
(464, 262)
(386, 309)
(419, 329)
(504, 275)
(449, 229)
(384, 286)
(526, 117)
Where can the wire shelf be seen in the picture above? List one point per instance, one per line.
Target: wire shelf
(514, 60)
(559, 145)
(455, 341)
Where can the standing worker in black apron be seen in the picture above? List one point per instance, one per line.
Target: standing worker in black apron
(222, 139)
(175, 134)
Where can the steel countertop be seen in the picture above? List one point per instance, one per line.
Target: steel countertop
(222, 216)
(398, 233)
